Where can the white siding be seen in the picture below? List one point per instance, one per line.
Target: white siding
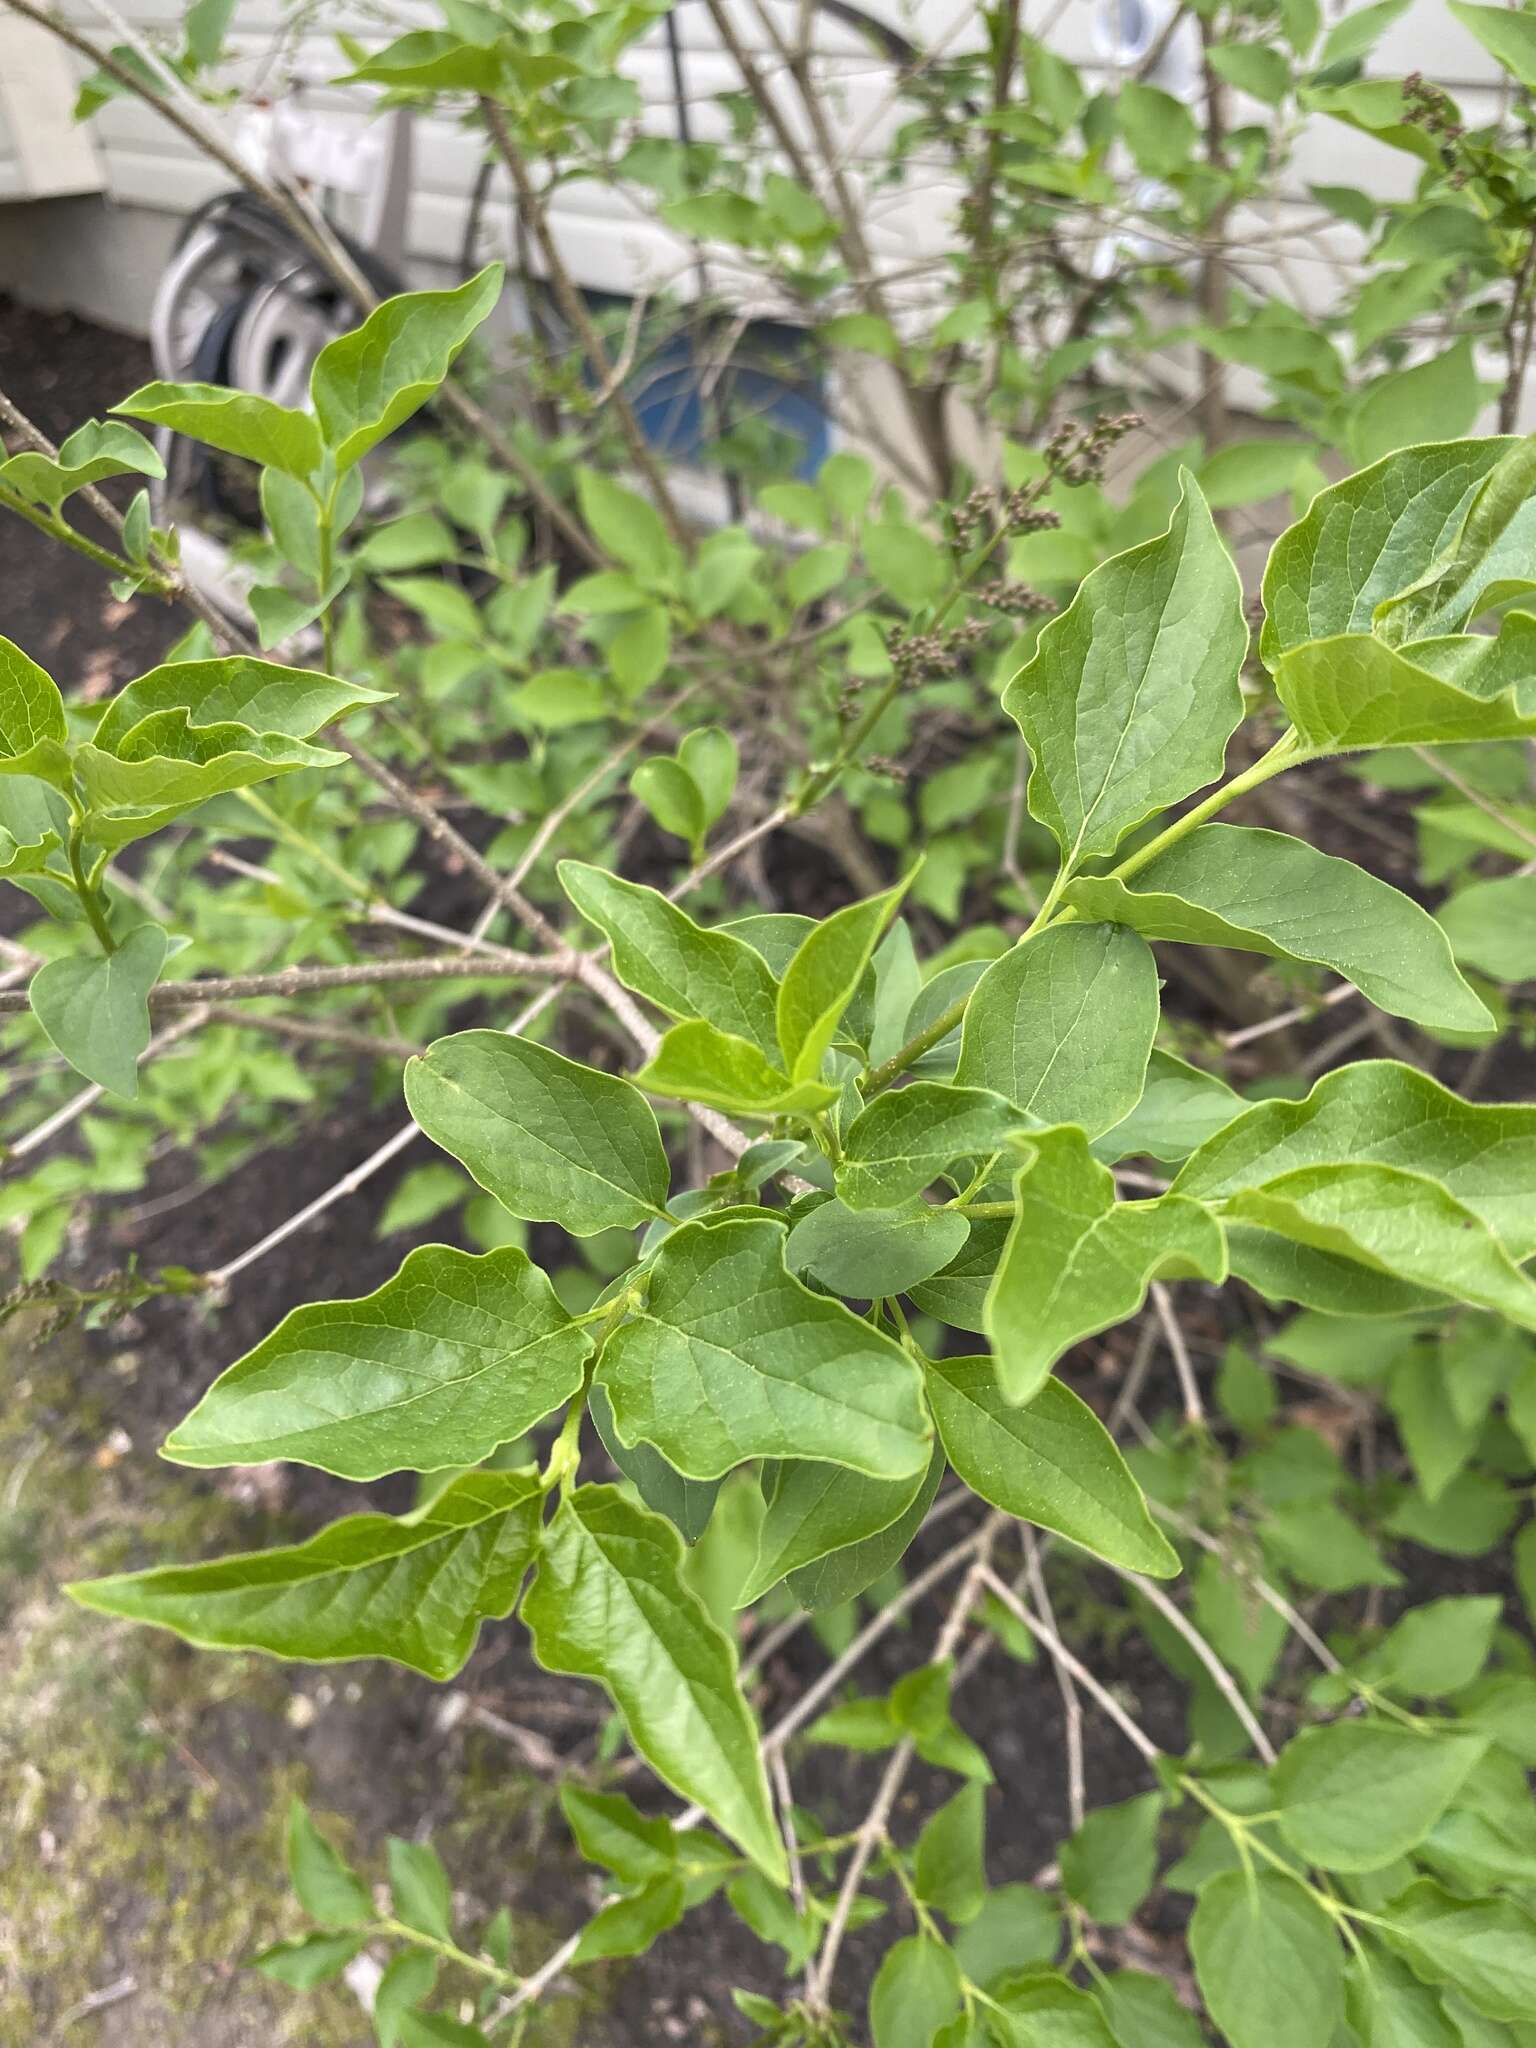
(42, 150)
(611, 240)
(12, 185)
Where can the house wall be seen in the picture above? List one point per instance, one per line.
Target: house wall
(102, 252)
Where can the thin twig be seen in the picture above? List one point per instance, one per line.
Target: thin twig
(299, 981)
(786, 1800)
(1189, 1386)
(77, 1105)
(1071, 1705)
(555, 819)
(1289, 1614)
(873, 1830)
(1100, 1693)
(1231, 1040)
(534, 1986)
(304, 1031)
(1226, 1684)
(573, 309)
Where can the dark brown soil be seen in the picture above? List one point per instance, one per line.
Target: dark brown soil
(63, 371)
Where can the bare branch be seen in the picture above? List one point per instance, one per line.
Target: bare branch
(1226, 1684)
(1133, 1732)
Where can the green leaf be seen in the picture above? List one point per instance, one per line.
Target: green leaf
(815, 1510)
(818, 570)
(1245, 1633)
(1049, 2009)
(709, 754)
(452, 1357)
(289, 703)
(1507, 36)
(916, 1991)
(609, 1602)
(637, 655)
(433, 60)
(844, 1574)
(93, 452)
(1159, 130)
(1265, 892)
(436, 2030)
(1366, 539)
(870, 1253)
(1317, 1543)
(1359, 1794)
(1391, 300)
(33, 730)
(29, 857)
(1492, 926)
(820, 980)
(1180, 1107)
(417, 540)
(1393, 411)
(672, 797)
(1489, 558)
(1267, 1961)
(609, 1830)
(1063, 1025)
(1018, 1928)
(419, 1888)
(235, 422)
(698, 1063)
(176, 766)
(1472, 1515)
(552, 1140)
(958, 1295)
(312, 1959)
(687, 1504)
(407, 1980)
(902, 1141)
(280, 613)
(413, 1589)
(776, 934)
(1438, 1442)
(661, 954)
(1355, 691)
(1358, 32)
(729, 1357)
(1052, 1463)
(1484, 1948)
(627, 527)
(1132, 693)
(1378, 1112)
(1109, 1865)
(1389, 2008)
(324, 1883)
(1435, 1649)
(1253, 68)
(906, 564)
(948, 1866)
(1143, 2012)
(367, 383)
(94, 1007)
(1394, 1222)
(1077, 1261)
(1242, 472)
(628, 1926)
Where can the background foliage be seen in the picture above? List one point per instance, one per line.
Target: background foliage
(842, 1101)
